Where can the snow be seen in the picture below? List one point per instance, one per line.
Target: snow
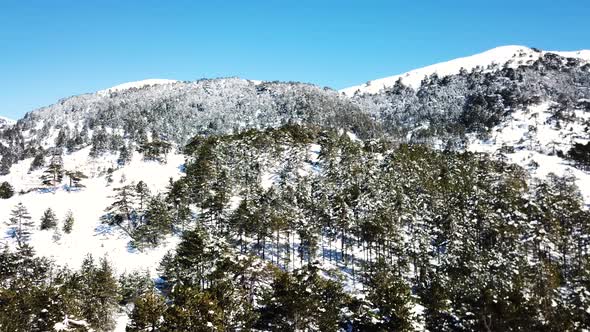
(535, 138)
(121, 322)
(89, 235)
(6, 121)
(513, 55)
(136, 84)
(65, 325)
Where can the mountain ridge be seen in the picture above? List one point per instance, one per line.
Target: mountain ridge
(516, 54)
(136, 84)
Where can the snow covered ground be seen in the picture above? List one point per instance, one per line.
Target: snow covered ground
(88, 205)
(4, 121)
(536, 139)
(512, 55)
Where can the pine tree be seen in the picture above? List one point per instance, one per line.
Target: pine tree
(38, 162)
(435, 299)
(5, 164)
(155, 150)
(143, 193)
(179, 198)
(124, 202)
(192, 310)
(109, 176)
(61, 138)
(134, 285)
(232, 284)
(125, 155)
(68, 222)
(157, 223)
(194, 256)
(20, 223)
(122, 209)
(76, 178)
(147, 313)
(48, 220)
(391, 295)
(100, 294)
(6, 190)
(302, 301)
(53, 175)
(100, 142)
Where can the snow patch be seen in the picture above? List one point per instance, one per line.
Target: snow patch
(89, 235)
(136, 84)
(6, 121)
(533, 140)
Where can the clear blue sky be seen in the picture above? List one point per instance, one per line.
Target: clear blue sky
(54, 49)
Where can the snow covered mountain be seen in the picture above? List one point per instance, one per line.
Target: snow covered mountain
(186, 142)
(505, 56)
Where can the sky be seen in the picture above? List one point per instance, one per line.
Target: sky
(55, 49)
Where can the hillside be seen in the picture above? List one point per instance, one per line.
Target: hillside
(440, 203)
(6, 122)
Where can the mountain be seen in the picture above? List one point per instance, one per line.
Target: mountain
(531, 112)
(505, 56)
(443, 205)
(172, 112)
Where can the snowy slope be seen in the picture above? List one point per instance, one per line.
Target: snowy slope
(535, 139)
(512, 55)
(136, 84)
(6, 121)
(87, 206)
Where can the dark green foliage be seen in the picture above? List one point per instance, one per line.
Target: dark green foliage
(99, 297)
(143, 193)
(121, 210)
(76, 178)
(35, 294)
(100, 142)
(178, 198)
(155, 150)
(303, 300)
(156, 223)
(38, 162)
(134, 285)
(193, 310)
(461, 234)
(193, 257)
(580, 153)
(147, 313)
(390, 294)
(23, 292)
(434, 297)
(48, 220)
(125, 155)
(6, 190)
(53, 175)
